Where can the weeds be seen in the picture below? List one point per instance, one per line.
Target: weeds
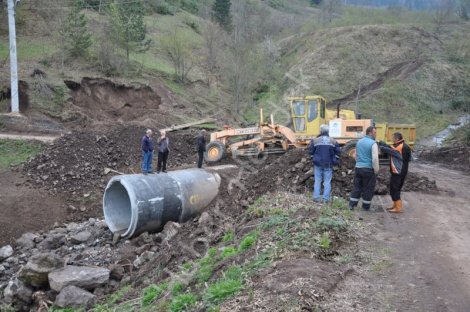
(325, 241)
(152, 292)
(228, 236)
(14, 152)
(248, 241)
(177, 288)
(221, 290)
(182, 302)
(229, 252)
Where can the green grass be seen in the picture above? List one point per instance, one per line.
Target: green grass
(182, 302)
(28, 49)
(14, 152)
(152, 292)
(248, 241)
(177, 288)
(118, 295)
(229, 252)
(228, 236)
(222, 290)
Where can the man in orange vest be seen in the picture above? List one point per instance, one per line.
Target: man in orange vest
(400, 156)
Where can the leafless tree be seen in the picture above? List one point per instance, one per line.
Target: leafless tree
(442, 13)
(329, 9)
(213, 39)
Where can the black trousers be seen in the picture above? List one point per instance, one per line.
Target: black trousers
(161, 162)
(200, 155)
(364, 186)
(396, 184)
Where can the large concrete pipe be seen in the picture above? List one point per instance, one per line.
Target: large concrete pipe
(133, 204)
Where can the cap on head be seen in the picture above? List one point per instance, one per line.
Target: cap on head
(324, 129)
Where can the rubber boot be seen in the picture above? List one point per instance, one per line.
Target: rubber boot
(394, 205)
(398, 207)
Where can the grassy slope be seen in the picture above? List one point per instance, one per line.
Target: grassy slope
(13, 152)
(332, 59)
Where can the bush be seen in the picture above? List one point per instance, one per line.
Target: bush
(164, 9)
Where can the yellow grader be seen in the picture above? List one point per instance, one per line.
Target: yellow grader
(307, 113)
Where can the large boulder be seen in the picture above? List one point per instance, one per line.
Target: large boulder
(80, 276)
(6, 252)
(27, 241)
(17, 292)
(74, 297)
(38, 267)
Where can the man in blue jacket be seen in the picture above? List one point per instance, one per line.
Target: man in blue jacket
(147, 152)
(325, 153)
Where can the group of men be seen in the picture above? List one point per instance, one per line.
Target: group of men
(163, 150)
(325, 152)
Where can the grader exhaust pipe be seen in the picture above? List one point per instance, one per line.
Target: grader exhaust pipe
(137, 203)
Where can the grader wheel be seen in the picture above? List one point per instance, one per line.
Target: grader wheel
(214, 151)
(349, 149)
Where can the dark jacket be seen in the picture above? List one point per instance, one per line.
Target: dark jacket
(147, 144)
(325, 151)
(163, 145)
(201, 143)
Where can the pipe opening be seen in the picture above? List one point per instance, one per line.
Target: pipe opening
(117, 207)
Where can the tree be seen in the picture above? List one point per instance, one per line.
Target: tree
(179, 49)
(213, 38)
(442, 13)
(221, 13)
(129, 31)
(463, 9)
(74, 34)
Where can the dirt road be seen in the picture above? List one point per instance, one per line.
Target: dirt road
(429, 246)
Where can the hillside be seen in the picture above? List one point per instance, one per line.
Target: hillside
(404, 70)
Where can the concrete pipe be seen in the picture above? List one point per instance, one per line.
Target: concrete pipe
(137, 203)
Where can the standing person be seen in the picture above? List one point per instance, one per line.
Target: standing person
(366, 170)
(163, 145)
(400, 155)
(201, 147)
(147, 152)
(325, 154)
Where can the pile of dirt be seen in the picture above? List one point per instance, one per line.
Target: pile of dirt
(76, 164)
(293, 172)
(455, 157)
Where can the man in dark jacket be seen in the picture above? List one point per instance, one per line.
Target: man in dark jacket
(163, 145)
(147, 152)
(325, 153)
(400, 156)
(201, 147)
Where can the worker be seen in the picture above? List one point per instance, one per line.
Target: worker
(325, 153)
(400, 155)
(147, 152)
(366, 170)
(163, 146)
(201, 147)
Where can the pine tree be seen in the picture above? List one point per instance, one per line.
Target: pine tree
(221, 13)
(128, 27)
(74, 33)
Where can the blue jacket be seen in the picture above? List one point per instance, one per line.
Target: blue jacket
(325, 151)
(147, 144)
(364, 152)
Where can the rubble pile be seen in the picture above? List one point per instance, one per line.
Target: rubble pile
(79, 162)
(454, 156)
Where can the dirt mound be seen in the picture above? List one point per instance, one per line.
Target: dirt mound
(76, 163)
(293, 172)
(455, 157)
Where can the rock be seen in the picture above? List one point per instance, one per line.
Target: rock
(171, 229)
(26, 240)
(6, 252)
(80, 238)
(52, 241)
(80, 276)
(35, 272)
(116, 272)
(140, 250)
(15, 291)
(74, 297)
(205, 218)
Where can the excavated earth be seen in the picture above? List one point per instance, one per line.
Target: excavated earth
(455, 157)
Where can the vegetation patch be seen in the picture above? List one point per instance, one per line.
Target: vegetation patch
(14, 152)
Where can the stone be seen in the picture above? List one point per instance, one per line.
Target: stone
(35, 272)
(205, 218)
(52, 241)
(80, 238)
(80, 276)
(171, 229)
(6, 252)
(26, 241)
(116, 272)
(74, 297)
(17, 290)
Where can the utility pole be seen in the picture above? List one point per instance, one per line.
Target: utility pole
(15, 107)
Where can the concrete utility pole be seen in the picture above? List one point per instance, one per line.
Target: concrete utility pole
(15, 107)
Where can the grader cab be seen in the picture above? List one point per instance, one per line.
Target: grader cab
(307, 113)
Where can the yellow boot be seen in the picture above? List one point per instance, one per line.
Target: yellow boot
(399, 206)
(394, 205)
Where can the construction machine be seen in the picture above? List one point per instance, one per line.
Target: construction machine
(307, 113)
